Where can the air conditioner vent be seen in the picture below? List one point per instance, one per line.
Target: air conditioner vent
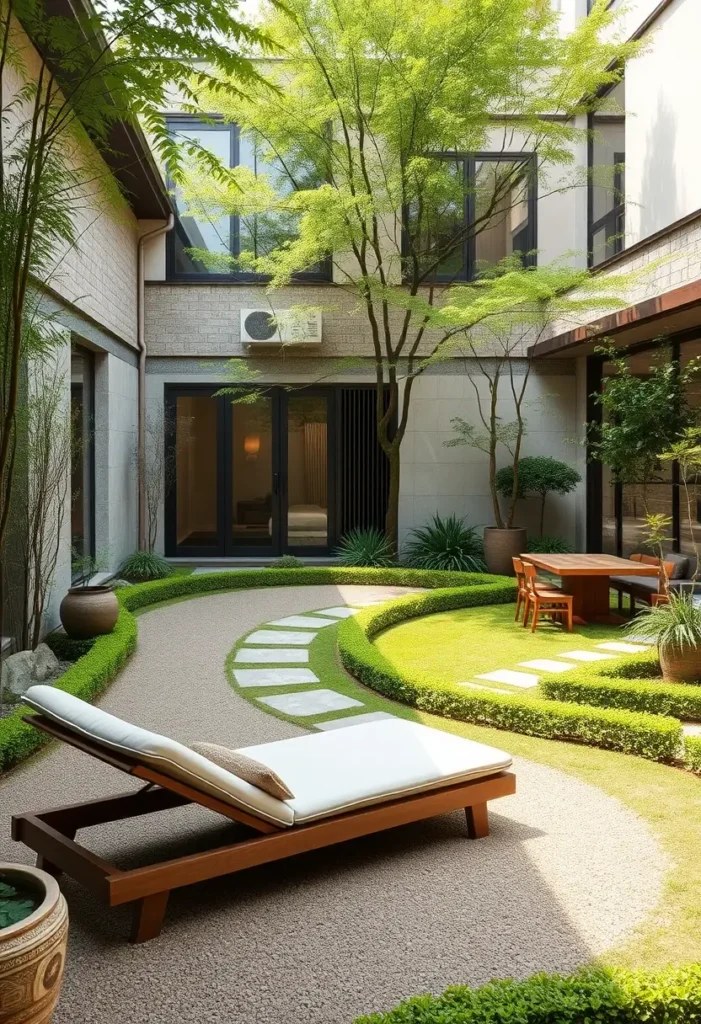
(282, 327)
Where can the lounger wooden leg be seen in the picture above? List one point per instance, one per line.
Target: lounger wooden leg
(46, 865)
(477, 821)
(148, 916)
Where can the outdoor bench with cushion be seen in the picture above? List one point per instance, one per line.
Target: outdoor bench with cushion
(344, 783)
(680, 571)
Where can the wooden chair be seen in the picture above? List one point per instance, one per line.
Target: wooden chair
(522, 598)
(550, 602)
(662, 595)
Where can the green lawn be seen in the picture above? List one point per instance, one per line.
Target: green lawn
(458, 645)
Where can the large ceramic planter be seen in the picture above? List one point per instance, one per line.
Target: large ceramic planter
(88, 611)
(33, 951)
(681, 665)
(500, 546)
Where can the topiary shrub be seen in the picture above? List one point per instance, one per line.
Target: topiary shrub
(541, 475)
(692, 753)
(367, 548)
(599, 996)
(546, 545)
(446, 544)
(143, 566)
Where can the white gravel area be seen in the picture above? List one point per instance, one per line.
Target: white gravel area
(566, 873)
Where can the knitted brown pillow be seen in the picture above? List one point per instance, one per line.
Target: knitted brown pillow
(245, 768)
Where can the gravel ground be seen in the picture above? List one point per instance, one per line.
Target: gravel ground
(566, 872)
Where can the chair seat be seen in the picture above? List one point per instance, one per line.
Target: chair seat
(553, 595)
(345, 769)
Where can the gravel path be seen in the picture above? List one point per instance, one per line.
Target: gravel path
(566, 872)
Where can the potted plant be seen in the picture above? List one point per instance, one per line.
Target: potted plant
(541, 475)
(33, 935)
(88, 610)
(675, 627)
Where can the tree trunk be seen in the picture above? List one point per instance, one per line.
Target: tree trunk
(392, 517)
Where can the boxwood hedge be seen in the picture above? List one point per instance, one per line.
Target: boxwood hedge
(604, 996)
(681, 700)
(652, 736)
(102, 660)
(692, 753)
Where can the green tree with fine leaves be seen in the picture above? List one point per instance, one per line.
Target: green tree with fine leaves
(364, 142)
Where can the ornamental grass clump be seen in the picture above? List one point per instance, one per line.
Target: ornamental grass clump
(446, 544)
(675, 627)
(143, 566)
(368, 548)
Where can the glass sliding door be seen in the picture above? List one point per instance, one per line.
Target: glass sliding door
(307, 476)
(195, 431)
(252, 450)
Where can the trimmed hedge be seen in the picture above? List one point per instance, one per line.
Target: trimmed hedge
(65, 648)
(680, 700)
(692, 753)
(611, 996)
(651, 736)
(106, 655)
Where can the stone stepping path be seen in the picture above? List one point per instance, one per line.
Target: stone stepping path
(274, 676)
(310, 702)
(304, 621)
(510, 676)
(547, 665)
(621, 647)
(271, 655)
(347, 720)
(586, 655)
(284, 637)
(340, 612)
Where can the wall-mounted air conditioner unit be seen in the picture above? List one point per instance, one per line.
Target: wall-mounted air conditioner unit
(283, 327)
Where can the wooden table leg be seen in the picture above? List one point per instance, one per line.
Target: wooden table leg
(591, 599)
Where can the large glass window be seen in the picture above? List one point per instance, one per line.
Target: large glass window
(607, 178)
(479, 210)
(82, 453)
(232, 235)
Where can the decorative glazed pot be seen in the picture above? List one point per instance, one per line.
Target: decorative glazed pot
(500, 546)
(33, 951)
(88, 611)
(681, 665)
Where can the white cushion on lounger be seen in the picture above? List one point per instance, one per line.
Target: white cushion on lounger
(160, 752)
(337, 771)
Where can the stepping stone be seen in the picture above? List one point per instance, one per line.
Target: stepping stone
(688, 728)
(546, 665)
(310, 702)
(623, 648)
(341, 612)
(507, 675)
(306, 621)
(342, 723)
(586, 655)
(278, 656)
(489, 689)
(274, 676)
(271, 636)
(641, 640)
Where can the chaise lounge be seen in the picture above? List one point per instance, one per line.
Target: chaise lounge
(345, 783)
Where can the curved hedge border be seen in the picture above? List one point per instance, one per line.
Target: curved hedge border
(680, 700)
(95, 669)
(653, 736)
(605, 996)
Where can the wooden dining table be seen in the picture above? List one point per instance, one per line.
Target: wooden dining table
(587, 578)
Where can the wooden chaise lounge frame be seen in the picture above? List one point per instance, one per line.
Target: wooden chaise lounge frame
(51, 834)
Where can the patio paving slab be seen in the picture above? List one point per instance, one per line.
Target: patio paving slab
(310, 702)
(274, 676)
(272, 636)
(586, 655)
(547, 665)
(343, 723)
(510, 676)
(311, 621)
(271, 655)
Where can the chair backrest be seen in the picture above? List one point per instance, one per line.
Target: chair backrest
(518, 571)
(530, 572)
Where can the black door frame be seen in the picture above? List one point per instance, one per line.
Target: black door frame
(225, 547)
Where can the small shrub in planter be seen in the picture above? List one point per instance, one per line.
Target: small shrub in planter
(446, 544)
(143, 566)
(548, 546)
(369, 548)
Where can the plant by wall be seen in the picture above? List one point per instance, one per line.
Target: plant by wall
(144, 565)
(445, 544)
(540, 475)
(368, 548)
(545, 545)
(353, 143)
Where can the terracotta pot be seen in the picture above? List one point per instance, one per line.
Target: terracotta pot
(88, 611)
(681, 665)
(33, 952)
(500, 546)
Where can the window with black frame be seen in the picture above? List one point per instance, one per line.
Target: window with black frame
(231, 235)
(82, 452)
(607, 212)
(471, 212)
